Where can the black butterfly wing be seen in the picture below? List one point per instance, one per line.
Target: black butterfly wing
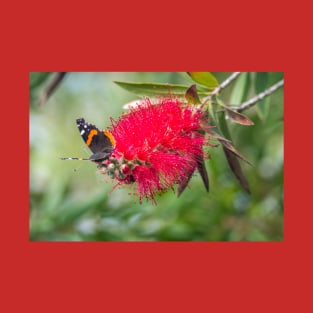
(97, 141)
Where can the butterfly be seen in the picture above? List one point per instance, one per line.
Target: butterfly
(100, 142)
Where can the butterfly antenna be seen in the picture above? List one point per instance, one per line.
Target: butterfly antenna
(75, 159)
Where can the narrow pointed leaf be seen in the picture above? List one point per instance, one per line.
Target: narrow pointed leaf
(204, 175)
(228, 146)
(203, 172)
(241, 89)
(232, 154)
(226, 142)
(238, 118)
(260, 84)
(192, 95)
(236, 169)
(204, 78)
(156, 89)
(217, 136)
(182, 186)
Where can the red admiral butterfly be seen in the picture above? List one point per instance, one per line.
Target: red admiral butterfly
(101, 143)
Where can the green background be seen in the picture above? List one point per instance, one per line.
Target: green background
(70, 201)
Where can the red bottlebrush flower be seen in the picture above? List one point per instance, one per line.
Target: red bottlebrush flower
(157, 146)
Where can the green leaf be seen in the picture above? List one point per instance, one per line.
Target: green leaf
(260, 84)
(204, 78)
(156, 89)
(261, 81)
(37, 78)
(241, 89)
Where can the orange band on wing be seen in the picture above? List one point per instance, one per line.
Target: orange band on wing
(110, 136)
(90, 136)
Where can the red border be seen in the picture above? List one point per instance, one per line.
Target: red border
(145, 277)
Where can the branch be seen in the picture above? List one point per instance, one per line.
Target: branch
(51, 86)
(259, 97)
(224, 84)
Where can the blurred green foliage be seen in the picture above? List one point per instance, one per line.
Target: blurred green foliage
(69, 201)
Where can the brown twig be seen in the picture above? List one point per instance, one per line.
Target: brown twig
(224, 84)
(259, 97)
(51, 86)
